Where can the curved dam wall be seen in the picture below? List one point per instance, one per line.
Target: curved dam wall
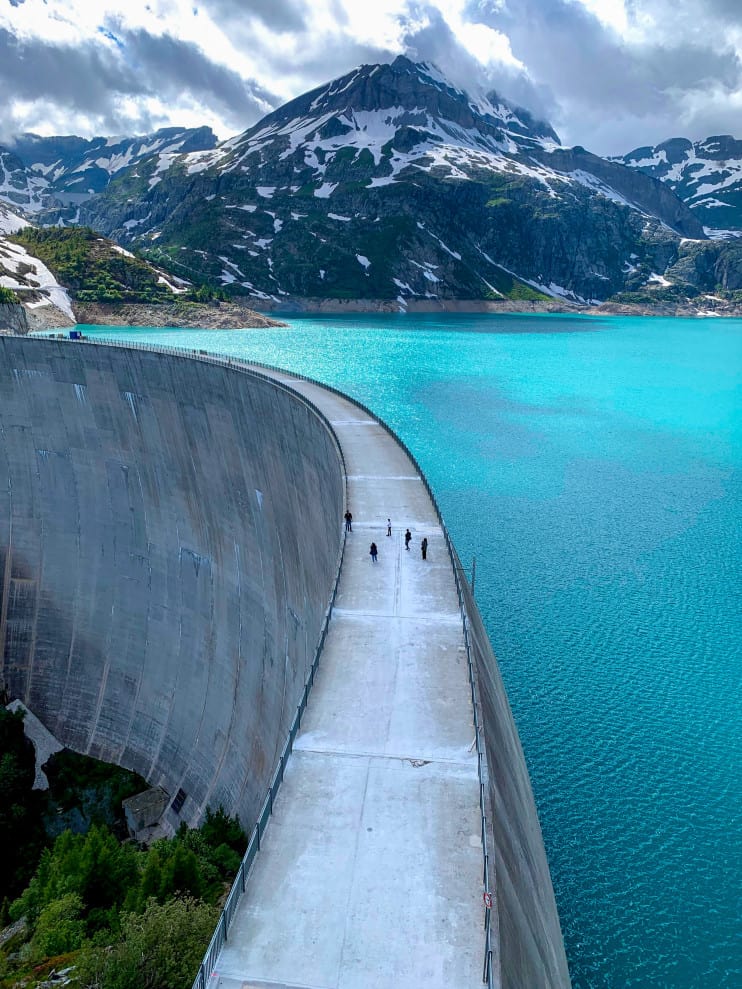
(528, 939)
(169, 536)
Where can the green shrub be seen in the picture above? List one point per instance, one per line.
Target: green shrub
(59, 928)
(160, 948)
(221, 829)
(138, 917)
(94, 866)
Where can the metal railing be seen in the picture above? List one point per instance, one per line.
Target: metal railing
(227, 915)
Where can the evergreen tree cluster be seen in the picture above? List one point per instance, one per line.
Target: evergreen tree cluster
(123, 916)
(121, 913)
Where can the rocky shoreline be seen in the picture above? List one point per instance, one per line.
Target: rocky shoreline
(236, 315)
(703, 306)
(181, 315)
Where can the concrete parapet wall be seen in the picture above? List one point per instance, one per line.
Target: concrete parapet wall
(528, 940)
(169, 536)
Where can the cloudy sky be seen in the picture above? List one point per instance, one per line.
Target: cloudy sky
(608, 74)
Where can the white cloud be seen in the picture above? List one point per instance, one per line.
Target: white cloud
(611, 74)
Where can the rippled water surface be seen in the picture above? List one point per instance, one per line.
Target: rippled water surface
(593, 467)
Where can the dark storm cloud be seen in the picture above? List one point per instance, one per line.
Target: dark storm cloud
(169, 67)
(80, 77)
(579, 56)
(89, 78)
(428, 38)
(729, 10)
(279, 15)
(320, 64)
(604, 87)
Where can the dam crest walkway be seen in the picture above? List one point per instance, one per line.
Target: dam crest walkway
(370, 872)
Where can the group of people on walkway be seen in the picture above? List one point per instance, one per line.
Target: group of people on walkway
(374, 550)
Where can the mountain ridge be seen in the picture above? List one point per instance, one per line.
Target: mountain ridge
(38, 173)
(706, 175)
(391, 183)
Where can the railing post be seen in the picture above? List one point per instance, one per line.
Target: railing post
(487, 965)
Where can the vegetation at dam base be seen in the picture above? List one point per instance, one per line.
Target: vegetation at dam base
(109, 913)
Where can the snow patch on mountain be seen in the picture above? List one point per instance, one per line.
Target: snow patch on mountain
(706, 175)
(325, 190)
(40, 173)
(21, 271)
(11, 221)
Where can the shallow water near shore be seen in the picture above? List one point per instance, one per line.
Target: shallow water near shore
(593, 467)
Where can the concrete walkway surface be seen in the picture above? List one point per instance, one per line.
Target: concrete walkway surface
(370, 872)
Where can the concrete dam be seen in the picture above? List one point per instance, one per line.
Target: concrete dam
(169, 540)
(169, 536)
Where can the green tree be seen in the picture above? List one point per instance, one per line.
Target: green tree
(221, 829)
(180, 873)
(152, 878)
(93, 866)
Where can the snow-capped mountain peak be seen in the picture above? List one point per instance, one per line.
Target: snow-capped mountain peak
(404, 107)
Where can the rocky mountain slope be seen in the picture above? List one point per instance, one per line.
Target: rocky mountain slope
(44, 173)
(392, 184)
(706, 175)
(46, 302)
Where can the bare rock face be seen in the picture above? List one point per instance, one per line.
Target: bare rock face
(652, 196)
(13, 319)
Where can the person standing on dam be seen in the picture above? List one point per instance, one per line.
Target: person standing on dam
(388, 527)
(424, 547)
(348, 521)
(407, 539)
(374, 552)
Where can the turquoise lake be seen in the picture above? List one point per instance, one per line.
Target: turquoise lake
(593, 467)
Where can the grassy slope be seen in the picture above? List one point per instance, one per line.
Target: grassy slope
(91, 269)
